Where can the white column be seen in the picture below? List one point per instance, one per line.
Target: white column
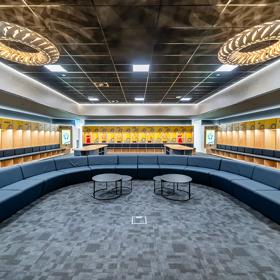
(198, 136)
(78, 134)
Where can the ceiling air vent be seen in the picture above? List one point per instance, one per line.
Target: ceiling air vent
(101, 84)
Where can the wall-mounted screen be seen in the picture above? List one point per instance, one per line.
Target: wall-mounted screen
(66, 136)
(210, 137)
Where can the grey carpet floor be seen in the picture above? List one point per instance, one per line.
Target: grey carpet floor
(69, 235)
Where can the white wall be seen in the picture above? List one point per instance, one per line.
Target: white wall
(198, 136)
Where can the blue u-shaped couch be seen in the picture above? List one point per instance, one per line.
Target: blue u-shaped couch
(257, 186)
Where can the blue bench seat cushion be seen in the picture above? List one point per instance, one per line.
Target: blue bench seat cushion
(172, 160)
(222, 180)
(199, 175)
(10, 203)
(31, 189)
(76, 175)
(51, 180)
(247, 190)
(10, 175)
(236, 167)
(268, 203)
(70, 162)
(267, 176)
(102, 160)
(213, 163)
(37, 168)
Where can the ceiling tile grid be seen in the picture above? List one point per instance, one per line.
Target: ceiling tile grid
(100, 40)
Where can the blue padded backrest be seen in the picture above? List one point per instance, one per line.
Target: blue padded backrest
(48, 147)
(258, 151)
(102, 160)
(248, 150)
(127, 159)
(70, 162)
(234, 148)
(37, 168)
(173, 160)
(28, 150)
(77, 153)
(147, 159)
(19, 151)
(10, 175)
(277, 154)
(207, 162)
(52, 146)
(35, 149)
(268, 153)
(8, 153)
(1, 154)
(267, 176)
(42, 148)
(236, 167)
(241, 149)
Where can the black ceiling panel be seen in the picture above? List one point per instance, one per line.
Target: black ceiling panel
(99, 40)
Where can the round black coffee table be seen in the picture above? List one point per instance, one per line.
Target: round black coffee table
(176, 193)
(105, 193)
(128, 179)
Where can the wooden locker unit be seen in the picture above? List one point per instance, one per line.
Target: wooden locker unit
(34, 134)
(17, 134)
(250, 134)
(224, 134)
(270, 134)
(235, 134)
(278, 135)
(26, 134)
(41, 134)
(7, 134)
(219, 135)
(259, 134)
(242, 134)
(47, 132)
(229, 134)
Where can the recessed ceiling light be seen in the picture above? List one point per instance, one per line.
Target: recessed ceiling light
(63, 75)
(179, 96)
(185, 99)
(139, 98)
(93, 99)
(226, 68)
(141, 67)
(114, 101)
(55, 68)
(101, 84)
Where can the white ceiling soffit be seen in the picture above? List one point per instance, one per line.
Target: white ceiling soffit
(263, 81)
(17, 83)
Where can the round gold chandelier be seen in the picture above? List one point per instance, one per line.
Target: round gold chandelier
(22, 45)
(242, 48)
